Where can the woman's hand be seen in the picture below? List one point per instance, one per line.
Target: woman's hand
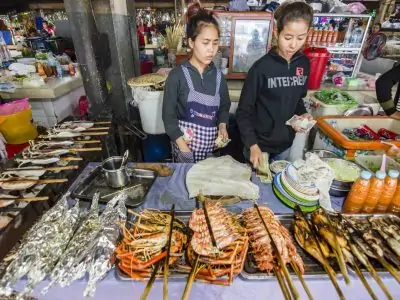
(306, 116)
(183, 147)
(396, 115)
(256, 156)
(223, 132)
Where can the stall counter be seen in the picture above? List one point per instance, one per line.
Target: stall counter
(364, 96)
(54, 101)
(111, 286)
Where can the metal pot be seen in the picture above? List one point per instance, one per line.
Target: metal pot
(116, 176)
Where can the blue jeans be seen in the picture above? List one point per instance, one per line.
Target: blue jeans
(272, 157)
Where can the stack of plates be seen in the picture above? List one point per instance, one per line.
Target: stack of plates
(291, 193)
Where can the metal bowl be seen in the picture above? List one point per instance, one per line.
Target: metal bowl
(338, 192)
(324, 153)
(342, 185)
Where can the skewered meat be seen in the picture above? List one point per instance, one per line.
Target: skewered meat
(222, 263)
(305, 239)
(260, 241)
(162, 169)
(143, 245)
(387, 232)
(222, 226)
(4, 220)
(373, 239)
(39, 161)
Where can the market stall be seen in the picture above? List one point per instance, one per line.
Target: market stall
(245, 286)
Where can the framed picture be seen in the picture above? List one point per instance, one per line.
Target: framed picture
(250, 43)
(246, 41)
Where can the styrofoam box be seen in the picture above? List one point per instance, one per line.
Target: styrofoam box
(336, 110)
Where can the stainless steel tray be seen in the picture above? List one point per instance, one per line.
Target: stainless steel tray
(140, 184)
(312, 269)
(174, 273)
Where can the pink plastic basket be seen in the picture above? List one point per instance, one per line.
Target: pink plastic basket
(14, 107)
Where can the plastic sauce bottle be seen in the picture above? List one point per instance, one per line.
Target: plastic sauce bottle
(388, 191)
(374, 194)
(358, 193)
(394, 206)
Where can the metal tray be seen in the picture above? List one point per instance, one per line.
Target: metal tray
(312, 268)
(174, 274)
(140, 184)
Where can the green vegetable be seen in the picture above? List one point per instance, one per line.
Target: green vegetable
(336, 97)
(343, 170)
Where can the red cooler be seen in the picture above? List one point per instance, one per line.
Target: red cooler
(318, 60)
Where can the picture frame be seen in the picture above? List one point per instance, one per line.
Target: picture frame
(250, 38)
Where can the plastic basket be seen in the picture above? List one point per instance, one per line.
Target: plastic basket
(14, 107)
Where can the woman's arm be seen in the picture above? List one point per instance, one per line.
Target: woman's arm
(245, 110)
(225, 103)
(384, 86)
(170, 110)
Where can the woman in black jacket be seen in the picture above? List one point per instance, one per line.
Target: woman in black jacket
(384, 86)
(275, 86)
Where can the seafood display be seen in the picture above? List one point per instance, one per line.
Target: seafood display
(271, 247)
(218, 245)
(144, 243)
(356, 243)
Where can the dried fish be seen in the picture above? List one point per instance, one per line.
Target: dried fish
(4, 220)
(28, 153)
(40, 145)
(62, 134)
(39, 235)
(4, 202)
(45, 161)
(76, 124)
(17, 185)
(25, 173)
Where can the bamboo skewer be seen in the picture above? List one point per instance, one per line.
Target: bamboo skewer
(82, 149)
(151, 281)
(79, 134)
(328, 269)
(282, 264)
(338, 251)
(364, 281)
(190, 279)
(102, 122)
(96, 128)
(282, 284)
(363, 258)
(87, 142)
(302, 281)
(381, 259)
(166, 261)
(27, 199)
(71, 158)
(378, 280)
(39, 181)
(44, 169)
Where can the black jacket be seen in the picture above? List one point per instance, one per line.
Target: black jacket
(271, 95)
(384, 86)
(177, 90)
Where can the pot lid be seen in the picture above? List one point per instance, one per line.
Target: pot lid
(147, 80)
